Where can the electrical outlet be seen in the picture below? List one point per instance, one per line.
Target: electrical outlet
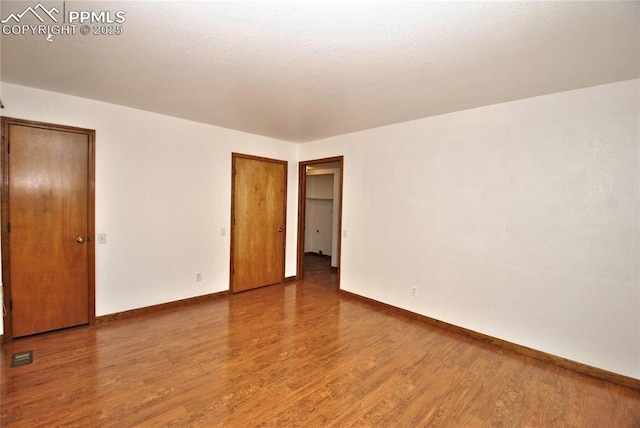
(198, 277)
(414, 291)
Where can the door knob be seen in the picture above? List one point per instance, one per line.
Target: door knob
(79, 239)
(280, 229)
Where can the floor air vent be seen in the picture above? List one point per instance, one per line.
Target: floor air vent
(22, 358)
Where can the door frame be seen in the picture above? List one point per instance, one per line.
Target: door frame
(285, 163)
(302, 211)
(4, 217)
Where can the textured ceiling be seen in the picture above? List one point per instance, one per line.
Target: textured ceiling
(301, 71)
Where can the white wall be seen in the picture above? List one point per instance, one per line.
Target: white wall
(163, 194)
(319, 186)
(318, 226)
(335, 221)
(518, 220)
(319, 213)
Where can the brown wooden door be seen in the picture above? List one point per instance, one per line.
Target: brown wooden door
(259, 189)
(49, 226)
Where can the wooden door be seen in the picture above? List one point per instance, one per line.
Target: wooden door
(258, 219)
(47, 243)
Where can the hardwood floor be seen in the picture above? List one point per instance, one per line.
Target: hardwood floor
(317, 270)
(297, 354)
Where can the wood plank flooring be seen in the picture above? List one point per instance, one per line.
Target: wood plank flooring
(297, 354)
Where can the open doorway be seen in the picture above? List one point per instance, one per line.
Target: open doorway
(320, 220)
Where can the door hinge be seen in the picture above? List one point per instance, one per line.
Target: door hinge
(10, 305)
